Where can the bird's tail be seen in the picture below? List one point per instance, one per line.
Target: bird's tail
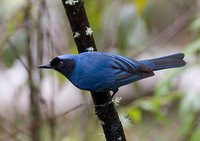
(171, 61)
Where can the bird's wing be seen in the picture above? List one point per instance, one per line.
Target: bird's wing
(126, 70)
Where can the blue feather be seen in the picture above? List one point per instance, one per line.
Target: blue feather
(98, 71)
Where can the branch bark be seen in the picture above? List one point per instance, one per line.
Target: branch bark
(34, 93)
(84, 40)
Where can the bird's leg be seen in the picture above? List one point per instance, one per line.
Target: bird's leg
(108, 102)
(113, 94)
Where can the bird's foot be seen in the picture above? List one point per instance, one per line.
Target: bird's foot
(113, 94)
(105, 105)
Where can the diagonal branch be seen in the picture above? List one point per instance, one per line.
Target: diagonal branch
(84, 40)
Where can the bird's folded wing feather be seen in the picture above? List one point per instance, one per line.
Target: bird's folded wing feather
(128, 70)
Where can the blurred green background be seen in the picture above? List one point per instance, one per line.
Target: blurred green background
(44, 106)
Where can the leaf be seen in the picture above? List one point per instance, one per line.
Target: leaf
(196, 135)
(196, 25)
(11, 27)
(193, 47)
(141, 5)
(135, 114)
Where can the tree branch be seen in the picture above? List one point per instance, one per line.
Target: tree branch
(84, 40)
(34, 93)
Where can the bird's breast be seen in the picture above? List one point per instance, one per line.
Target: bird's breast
(92, 74)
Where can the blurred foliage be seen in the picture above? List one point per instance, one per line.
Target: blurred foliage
(170, 111)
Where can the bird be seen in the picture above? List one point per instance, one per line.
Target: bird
(102, 72)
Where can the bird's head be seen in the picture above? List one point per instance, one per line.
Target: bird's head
(61, 64)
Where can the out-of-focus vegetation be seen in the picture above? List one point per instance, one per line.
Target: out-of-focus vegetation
(45, 106)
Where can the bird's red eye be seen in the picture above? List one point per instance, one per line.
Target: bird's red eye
(61, 63)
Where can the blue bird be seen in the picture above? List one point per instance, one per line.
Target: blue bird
(99, 71)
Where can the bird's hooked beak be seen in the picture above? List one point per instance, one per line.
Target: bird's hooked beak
(46, 66)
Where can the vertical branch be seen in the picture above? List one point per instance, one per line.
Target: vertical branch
(84, 40)
(79, 25)
(40, 36)
(34, 94)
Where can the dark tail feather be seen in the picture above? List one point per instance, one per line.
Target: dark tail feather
(171, 61)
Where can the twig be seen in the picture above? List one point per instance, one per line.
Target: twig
(82, 33)
(67, 112)
(34, 126)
